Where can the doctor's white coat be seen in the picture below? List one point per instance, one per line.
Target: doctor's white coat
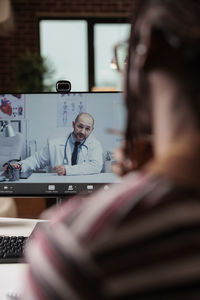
(89, 160)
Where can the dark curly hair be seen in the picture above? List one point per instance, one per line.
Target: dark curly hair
(177, 24)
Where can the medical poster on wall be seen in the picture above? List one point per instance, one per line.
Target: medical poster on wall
(68, 107)
(12, 107)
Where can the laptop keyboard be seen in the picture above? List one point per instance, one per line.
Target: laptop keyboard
(12, 248)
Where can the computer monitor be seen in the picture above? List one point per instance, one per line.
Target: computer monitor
(46, 121)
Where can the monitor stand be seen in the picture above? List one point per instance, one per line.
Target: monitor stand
(59, 200)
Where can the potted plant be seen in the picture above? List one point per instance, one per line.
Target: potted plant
(32, 73)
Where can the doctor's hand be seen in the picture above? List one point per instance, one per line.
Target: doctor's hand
(14, 165)
(60, 170)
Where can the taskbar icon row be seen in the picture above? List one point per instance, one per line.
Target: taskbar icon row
(51, 189)
(74, 188)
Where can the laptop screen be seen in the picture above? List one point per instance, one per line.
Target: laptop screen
(58, 144)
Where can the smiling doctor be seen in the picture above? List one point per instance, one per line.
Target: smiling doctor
(78, 153)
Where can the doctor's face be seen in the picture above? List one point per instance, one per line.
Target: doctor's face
(82, 127)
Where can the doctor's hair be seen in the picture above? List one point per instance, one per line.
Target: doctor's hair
(84, 113)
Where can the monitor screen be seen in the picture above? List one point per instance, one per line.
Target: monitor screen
(54, 144)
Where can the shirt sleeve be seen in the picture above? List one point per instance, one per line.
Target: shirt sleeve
(94, 162)
(56, 273)
(39, 160)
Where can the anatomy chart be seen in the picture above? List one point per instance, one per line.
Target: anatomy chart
(12, 107)
(68, 107)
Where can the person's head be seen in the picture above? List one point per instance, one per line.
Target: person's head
(83, 126)
(164, 39)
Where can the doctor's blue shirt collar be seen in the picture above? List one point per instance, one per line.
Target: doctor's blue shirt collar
(73, 140)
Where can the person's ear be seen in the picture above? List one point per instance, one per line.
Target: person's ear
(73, 124)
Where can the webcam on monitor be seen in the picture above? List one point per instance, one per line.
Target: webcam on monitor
(63, 86)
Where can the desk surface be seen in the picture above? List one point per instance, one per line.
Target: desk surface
(54, 178)
(17, 226)
(11, 274)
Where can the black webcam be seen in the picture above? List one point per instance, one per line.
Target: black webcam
(63, 86)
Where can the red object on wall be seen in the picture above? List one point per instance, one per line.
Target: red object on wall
(6, 107)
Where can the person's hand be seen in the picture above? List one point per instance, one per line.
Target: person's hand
(5, 167)
(122, 164)
(137, 159)
(14, 165)
(60, 170)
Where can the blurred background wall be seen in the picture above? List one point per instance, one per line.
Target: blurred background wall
(26, 34)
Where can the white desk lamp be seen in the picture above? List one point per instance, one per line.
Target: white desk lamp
(8, 129)
(11, 143)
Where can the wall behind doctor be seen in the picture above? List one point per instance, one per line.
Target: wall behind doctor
(107, 110)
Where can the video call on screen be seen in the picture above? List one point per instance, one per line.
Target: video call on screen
(40, 117)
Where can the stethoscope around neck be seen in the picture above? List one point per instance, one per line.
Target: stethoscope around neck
(65, 160)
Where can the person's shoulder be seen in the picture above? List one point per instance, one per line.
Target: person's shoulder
(106, 205)
(133, 189)
(92, 141)
(58, 139)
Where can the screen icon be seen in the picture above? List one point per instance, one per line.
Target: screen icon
(106, 187)
(70, 188)
(90, 187)
(51, 187)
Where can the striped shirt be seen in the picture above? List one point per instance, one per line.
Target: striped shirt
(138, 240)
